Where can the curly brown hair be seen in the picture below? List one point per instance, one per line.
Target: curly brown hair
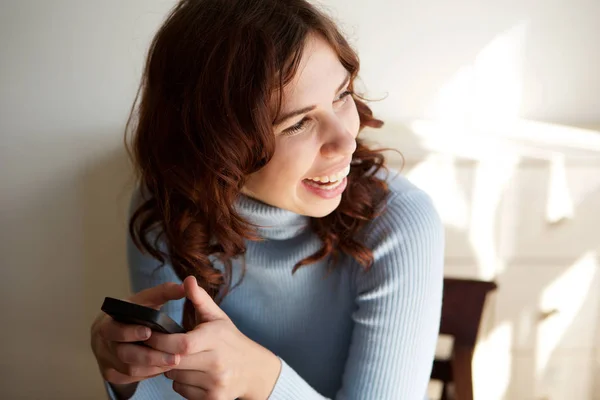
(204, 123)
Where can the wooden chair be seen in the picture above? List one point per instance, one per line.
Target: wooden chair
(462, 308)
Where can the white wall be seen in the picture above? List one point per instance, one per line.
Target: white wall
(68, 73)
(541, 55)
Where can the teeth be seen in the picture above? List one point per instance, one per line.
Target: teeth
(332, 178)
(329, 186)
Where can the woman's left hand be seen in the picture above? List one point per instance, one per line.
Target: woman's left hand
(217, 360)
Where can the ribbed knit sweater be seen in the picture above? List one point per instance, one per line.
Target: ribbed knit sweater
(351, 334)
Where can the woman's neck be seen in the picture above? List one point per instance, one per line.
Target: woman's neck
(271, 222)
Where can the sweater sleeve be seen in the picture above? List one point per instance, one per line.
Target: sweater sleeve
(398, 309)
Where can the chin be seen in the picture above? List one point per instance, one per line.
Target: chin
(324, 209)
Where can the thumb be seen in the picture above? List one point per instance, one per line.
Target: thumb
(158, 295)
(206, 309)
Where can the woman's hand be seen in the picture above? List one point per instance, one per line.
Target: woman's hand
(217, 360)
(120, 360)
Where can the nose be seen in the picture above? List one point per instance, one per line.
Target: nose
(338, 141)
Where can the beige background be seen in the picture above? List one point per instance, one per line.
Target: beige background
(520, 199)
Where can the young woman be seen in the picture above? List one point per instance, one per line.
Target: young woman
(301, 268)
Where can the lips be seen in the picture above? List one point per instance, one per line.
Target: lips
(336, 175)
(328, 190)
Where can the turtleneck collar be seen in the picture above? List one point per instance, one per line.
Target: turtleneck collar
(272, 222)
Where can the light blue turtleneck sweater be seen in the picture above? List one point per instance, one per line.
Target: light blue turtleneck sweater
(350, 335)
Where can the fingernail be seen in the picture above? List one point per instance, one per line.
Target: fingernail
(143, 332)
(170, 359)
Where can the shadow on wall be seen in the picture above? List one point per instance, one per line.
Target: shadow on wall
(66, 251)
(104, 190)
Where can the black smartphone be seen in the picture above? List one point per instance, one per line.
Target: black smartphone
(131, 313)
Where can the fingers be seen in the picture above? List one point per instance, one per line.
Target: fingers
(195, 378)
(204, 361)
(127, 362)
(134, 354)
(188, 343)
(189, 391)
(158, 295)
(206, 309)
(114, 331)
(131, 363)
(132, 374)
(120, 360)
(174, 343)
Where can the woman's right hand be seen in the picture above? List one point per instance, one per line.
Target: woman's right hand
(123, 362)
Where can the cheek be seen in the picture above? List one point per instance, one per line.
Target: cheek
(288, 166)
(352, 118)
(292, 162)
(261, 180)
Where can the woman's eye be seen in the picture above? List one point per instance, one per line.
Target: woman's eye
(342, 99)
(344, 95)
(292, 130)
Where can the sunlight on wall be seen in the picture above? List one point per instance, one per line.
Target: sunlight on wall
(476, 118)
(437, 176)
(487, 90)
(492, 364)
(492, 177)
(580, 142)
(567, 294)
(490, 88)
(459, 140)
(560, 204)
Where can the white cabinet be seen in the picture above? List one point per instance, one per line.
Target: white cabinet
(550, 306)
(551, 212)
(524, 211)
(552, 312)
(568, 375)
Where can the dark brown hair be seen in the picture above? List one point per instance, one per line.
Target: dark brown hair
(204, 122)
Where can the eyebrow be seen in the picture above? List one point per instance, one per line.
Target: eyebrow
(308, 108)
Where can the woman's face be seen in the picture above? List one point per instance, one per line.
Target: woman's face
(315, 138)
